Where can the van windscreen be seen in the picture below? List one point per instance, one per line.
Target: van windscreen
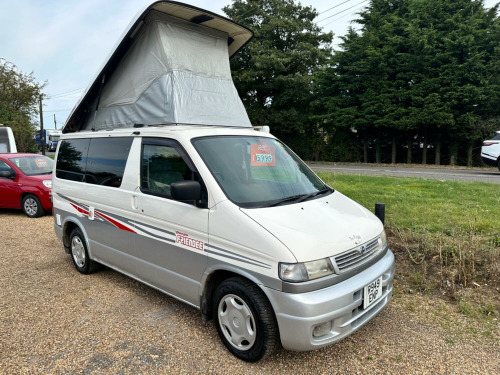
(258, 171)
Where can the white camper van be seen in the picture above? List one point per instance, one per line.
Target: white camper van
(160, 175)
(7, 141)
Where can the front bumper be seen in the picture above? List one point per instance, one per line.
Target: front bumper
(46, 200)
(341, 305)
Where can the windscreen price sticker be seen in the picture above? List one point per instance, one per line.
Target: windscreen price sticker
(372, 292)
(41, 163)
(262, 155)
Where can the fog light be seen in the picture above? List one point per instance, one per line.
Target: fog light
(322, 329)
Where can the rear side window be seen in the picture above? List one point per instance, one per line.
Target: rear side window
(72, 159)
(496, 137)
(106, 161)
(98, 161)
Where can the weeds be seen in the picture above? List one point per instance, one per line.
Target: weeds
(445, 236)
(457, 258)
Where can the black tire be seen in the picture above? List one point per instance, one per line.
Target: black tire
(499, 164)
(260, 318)
(31, 206)
(80, 254)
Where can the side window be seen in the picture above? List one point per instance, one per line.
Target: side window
(4, 167)
(106, 161)
(72, 159)
(162, 165)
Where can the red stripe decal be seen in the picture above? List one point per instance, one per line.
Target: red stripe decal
(114, 222)
(79, 209)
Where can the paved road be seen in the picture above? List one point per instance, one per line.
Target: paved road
(458, 174)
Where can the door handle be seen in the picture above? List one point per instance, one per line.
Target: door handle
(134, 202)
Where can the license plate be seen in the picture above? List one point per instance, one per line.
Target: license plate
(372, 292)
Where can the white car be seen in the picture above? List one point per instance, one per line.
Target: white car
(490, 152)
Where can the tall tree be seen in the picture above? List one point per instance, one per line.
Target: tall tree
(275, 72)
(19, 97)
(422, 69)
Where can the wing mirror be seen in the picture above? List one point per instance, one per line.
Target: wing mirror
(186, 191)
(8, 174)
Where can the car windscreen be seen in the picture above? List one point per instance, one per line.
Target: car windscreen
(258, 171)
(33, 165)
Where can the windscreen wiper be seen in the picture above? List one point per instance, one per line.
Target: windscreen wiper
(315, 194)
(287, 199)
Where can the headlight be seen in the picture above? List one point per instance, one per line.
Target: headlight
(48, 183)
(382, 240)
(297, 272)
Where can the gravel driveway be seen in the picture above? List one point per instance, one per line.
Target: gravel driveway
(55, 320)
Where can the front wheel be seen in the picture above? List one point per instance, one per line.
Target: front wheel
(31, 206)
(245, 320)
(499, 164)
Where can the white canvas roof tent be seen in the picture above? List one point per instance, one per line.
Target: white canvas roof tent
(171, 66)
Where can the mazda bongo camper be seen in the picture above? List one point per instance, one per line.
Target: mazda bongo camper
(160, 175)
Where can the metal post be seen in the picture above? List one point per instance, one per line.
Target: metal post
(380, 211)
(42, 136)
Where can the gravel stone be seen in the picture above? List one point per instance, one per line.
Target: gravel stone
(54, 320)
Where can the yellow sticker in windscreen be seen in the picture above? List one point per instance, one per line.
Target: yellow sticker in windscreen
(262, 155)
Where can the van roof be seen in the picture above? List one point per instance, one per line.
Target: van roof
(237, 37)
(173, 131)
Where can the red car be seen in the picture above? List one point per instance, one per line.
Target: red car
(26, 183)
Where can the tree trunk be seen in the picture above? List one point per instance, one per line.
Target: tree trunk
(408, 156)
(469, 154)
(393, 156)
(424, 152)
(365, 151)
(438, 152)
(378, 156)
(453, 153)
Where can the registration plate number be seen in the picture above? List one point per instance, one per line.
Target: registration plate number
(372, 292)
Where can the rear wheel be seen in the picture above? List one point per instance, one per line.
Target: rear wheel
(31, 206)
(499, 164)
(245, 320)
(80, 254)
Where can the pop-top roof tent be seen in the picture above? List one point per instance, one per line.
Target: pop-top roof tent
(170, 67)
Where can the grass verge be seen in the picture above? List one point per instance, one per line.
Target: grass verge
(445, 236)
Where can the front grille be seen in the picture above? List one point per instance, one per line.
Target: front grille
(354, 257)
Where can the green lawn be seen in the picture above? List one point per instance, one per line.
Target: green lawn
(424, 204)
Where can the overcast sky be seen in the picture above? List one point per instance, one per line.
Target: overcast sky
(65, 42)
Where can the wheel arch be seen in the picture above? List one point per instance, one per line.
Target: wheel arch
(68, 226)
(26, 193)
(214, 276)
